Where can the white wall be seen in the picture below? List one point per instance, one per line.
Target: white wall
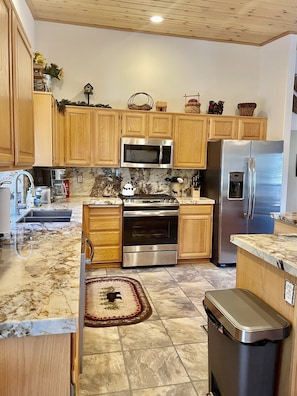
(26, 19)
(119, 64)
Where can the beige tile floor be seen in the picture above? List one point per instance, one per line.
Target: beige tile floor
(166, 355)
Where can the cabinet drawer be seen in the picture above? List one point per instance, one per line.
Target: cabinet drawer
(105, 254)
(105, 238)
(195, 209)
(96, 211)
(104, 223)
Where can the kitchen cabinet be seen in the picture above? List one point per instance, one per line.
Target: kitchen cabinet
(252, 128)
(281, 227)
(222, 127)
(103, 226)
(195, 231)
(91, 137)
(16, 94)
(48, 143)
(77, 136)
(239, 127)
(190, 141)
(106, 139)
(44, 362)
(146, 125)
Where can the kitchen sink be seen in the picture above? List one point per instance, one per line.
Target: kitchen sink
(46, 216)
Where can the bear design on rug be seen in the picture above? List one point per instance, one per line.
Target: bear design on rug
(111, 296)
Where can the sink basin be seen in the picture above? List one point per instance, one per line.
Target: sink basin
(46, 216)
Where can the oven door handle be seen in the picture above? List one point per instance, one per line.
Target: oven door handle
(144, 213)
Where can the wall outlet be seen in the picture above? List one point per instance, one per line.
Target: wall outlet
(290, 291)
(79, 178)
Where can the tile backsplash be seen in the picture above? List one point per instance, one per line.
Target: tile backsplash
(98, 182)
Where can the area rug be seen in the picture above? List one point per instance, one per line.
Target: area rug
(115, 301)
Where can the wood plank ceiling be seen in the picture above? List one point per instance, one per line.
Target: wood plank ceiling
(253, 22)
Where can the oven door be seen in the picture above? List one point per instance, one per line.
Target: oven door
(150, 227)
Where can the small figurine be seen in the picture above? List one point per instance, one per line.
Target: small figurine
(215, 108)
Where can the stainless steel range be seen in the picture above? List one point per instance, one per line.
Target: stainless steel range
(150, 225)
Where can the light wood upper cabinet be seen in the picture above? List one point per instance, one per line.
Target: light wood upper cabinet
(16, 92)
(195, 231)
(106, 138)
(77, 136)
(146, 125)
(252, 128)
(46, 129)
(160, 126)
(222, 127)
(91, 137)
(22, 96)
(190, 141)
(6, 119)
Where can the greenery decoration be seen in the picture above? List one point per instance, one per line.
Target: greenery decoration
(51, 69)
(62, 103)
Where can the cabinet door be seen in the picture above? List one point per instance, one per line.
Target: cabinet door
(222, 127)
(160, 126)
(77, 133)
(6, 119)
(103, 226)
(43, 128)
(134, 124)
(22, 96)
(195, 231)
(190, 141)
(250, 128)
(106, 139)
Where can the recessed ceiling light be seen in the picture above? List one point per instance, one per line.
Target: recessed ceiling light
(157, 19)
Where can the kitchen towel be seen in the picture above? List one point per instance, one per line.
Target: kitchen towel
(4, 210)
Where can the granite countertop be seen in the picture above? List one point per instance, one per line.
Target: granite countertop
(195, 201)
(39, 276)
(287, 217)
(277, 250)
(40, 271)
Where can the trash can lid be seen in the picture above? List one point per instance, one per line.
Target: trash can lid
(246, 317)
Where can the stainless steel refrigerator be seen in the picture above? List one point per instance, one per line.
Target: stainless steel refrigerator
(244, 178)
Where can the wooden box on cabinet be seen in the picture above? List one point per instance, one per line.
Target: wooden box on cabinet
(195, 231)
(103, 226)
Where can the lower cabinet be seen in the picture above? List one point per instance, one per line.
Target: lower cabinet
(40, 365)
(103, 226)
(195, 231)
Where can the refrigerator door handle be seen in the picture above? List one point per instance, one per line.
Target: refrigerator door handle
(249, 188)
(253, 191)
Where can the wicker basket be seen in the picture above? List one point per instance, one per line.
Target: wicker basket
(192, 107)
(142, 96)
(246, 109)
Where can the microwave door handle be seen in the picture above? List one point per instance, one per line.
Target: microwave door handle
(161, 155)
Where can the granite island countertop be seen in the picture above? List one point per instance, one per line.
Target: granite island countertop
(287, 217)
(277, 250)
(39, 276)
(40, 271)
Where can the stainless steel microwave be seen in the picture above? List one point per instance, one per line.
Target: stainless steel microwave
(146, 153)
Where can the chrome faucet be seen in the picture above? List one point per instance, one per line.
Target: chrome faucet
(18, 206)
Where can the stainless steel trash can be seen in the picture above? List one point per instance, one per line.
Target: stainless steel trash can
(244, 335)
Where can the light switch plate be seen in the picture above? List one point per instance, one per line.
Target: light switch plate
(290, 291)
